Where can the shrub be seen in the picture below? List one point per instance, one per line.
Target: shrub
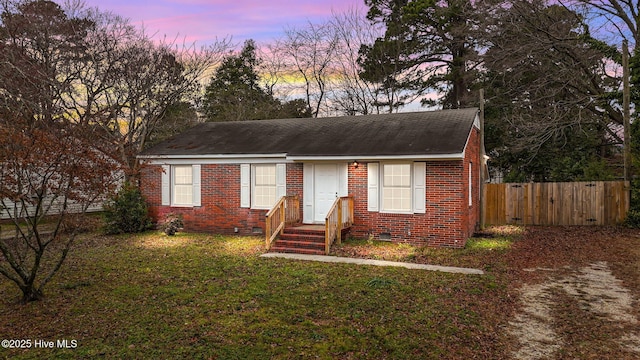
(633, 218)
(126, 212)
(633, 215)
(172, 223)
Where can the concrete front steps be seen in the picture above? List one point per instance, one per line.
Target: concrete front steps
(305, 239)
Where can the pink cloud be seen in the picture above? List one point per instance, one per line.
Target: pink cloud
(204, 20)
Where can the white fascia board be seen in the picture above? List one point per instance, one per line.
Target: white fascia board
(282, 158)
(454, 156)
(214, 159)
(476, 121)
(469, 136)
(212, 156)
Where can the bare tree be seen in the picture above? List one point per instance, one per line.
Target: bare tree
(129, 81)
(558, 67)
(46, 172)
(353, 95)
(309, 53)
(611, 20)
(271, 69)
(552, 92)
(80, 93)
(320, 63)
(50, 164)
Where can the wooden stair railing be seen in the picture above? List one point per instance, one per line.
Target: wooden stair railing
(339, 217)
(285, 212)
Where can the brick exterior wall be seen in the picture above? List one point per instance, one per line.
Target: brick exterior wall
(220, 210)
(440, 225)
(448, 221)
(472, 156)
(294, 182)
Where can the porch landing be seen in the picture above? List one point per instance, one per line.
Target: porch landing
(312, 227)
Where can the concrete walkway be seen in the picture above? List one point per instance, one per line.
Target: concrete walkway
(336, 259)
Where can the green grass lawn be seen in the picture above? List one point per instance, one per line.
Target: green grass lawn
(199, 297)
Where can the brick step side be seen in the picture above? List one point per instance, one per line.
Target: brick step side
(294, 230)
(303, 237)
(303, 231)
(299, 244)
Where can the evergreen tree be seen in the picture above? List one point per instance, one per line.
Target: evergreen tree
(235, 93)
(428, 45)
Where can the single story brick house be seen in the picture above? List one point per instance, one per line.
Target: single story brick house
(411, 177)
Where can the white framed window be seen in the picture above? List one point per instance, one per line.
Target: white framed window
(261, 185)
(470, 184)
(264, 186)
(181, 185)
(396, 188)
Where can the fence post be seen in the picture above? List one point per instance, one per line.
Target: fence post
(483, 164)
(283, 215)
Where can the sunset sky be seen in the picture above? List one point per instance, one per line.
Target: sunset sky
(204, 20)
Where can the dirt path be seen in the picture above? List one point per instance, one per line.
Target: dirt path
(572, 307)
(595, 289)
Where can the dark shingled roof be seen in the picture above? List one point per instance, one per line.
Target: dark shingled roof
(415, 133)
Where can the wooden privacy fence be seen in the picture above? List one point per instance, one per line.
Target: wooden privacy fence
(575, 203)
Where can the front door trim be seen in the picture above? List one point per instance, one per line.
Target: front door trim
(310, 187)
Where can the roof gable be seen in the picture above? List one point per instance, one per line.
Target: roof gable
(401, 134)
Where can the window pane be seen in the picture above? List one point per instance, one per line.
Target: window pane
(183, 175)
(397, 199)
(397, 175)
(183, 195)
(182, 185)
(265, 186)
(265, 196)
(265, 175)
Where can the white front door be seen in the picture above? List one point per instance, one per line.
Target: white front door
(326, 189)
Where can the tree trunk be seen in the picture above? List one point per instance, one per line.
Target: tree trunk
(30, 293)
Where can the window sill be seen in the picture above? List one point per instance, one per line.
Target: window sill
(396, 212)
(260, 208)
